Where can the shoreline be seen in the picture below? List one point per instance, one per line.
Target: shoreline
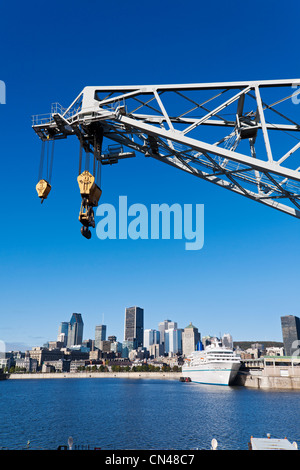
(100, 375)
(243, 380)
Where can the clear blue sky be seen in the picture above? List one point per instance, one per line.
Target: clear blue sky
(247, 274)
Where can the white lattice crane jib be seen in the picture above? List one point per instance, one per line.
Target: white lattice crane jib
(219, 132)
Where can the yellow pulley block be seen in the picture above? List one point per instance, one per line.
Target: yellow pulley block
(88, 188)
(43, 189)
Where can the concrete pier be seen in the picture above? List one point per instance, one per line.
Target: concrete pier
(273, 373)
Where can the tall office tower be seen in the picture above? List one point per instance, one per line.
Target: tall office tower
(100, 335)
(173, 341)
(134, 325)
(227, 340)
(290, 333)
(156, 337)
(190, 338)
(63, 332)
(165, 325)
(151, 337)
(75, 331)
(162, 327)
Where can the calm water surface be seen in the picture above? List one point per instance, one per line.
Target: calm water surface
(141, 414)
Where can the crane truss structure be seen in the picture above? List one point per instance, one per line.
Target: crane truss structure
(242, 136)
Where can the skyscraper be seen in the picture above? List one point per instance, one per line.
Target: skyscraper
(190, 338)
(290, 333)
(75, 330)
(100, 335)
(134, 325)
(63, 332)
(63, 328)
(163, 327)
(150, 337)
(173, 341)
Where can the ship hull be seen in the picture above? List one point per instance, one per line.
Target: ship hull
(212, 374)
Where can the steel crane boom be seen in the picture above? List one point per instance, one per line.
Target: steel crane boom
(219, 132)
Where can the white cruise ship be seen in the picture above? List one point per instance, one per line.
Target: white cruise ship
(215, 365)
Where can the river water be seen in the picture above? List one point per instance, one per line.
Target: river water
(141, 414)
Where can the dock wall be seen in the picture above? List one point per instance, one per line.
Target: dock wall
(269, 378)
(99, 375)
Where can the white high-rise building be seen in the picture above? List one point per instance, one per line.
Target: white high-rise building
(164, 326)
(150, 337)
(173, 341)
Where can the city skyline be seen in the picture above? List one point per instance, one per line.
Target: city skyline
(69, 355)
(103, 331)
(118, 330)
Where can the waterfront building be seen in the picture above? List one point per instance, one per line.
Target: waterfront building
(100, 335)
(291, 334)
(61, 365)
(76, 365)
(47, 368)
(190, 338)
(43, 354)
(75, 330)
(27, 363)
(134, 325)
(6, 360)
